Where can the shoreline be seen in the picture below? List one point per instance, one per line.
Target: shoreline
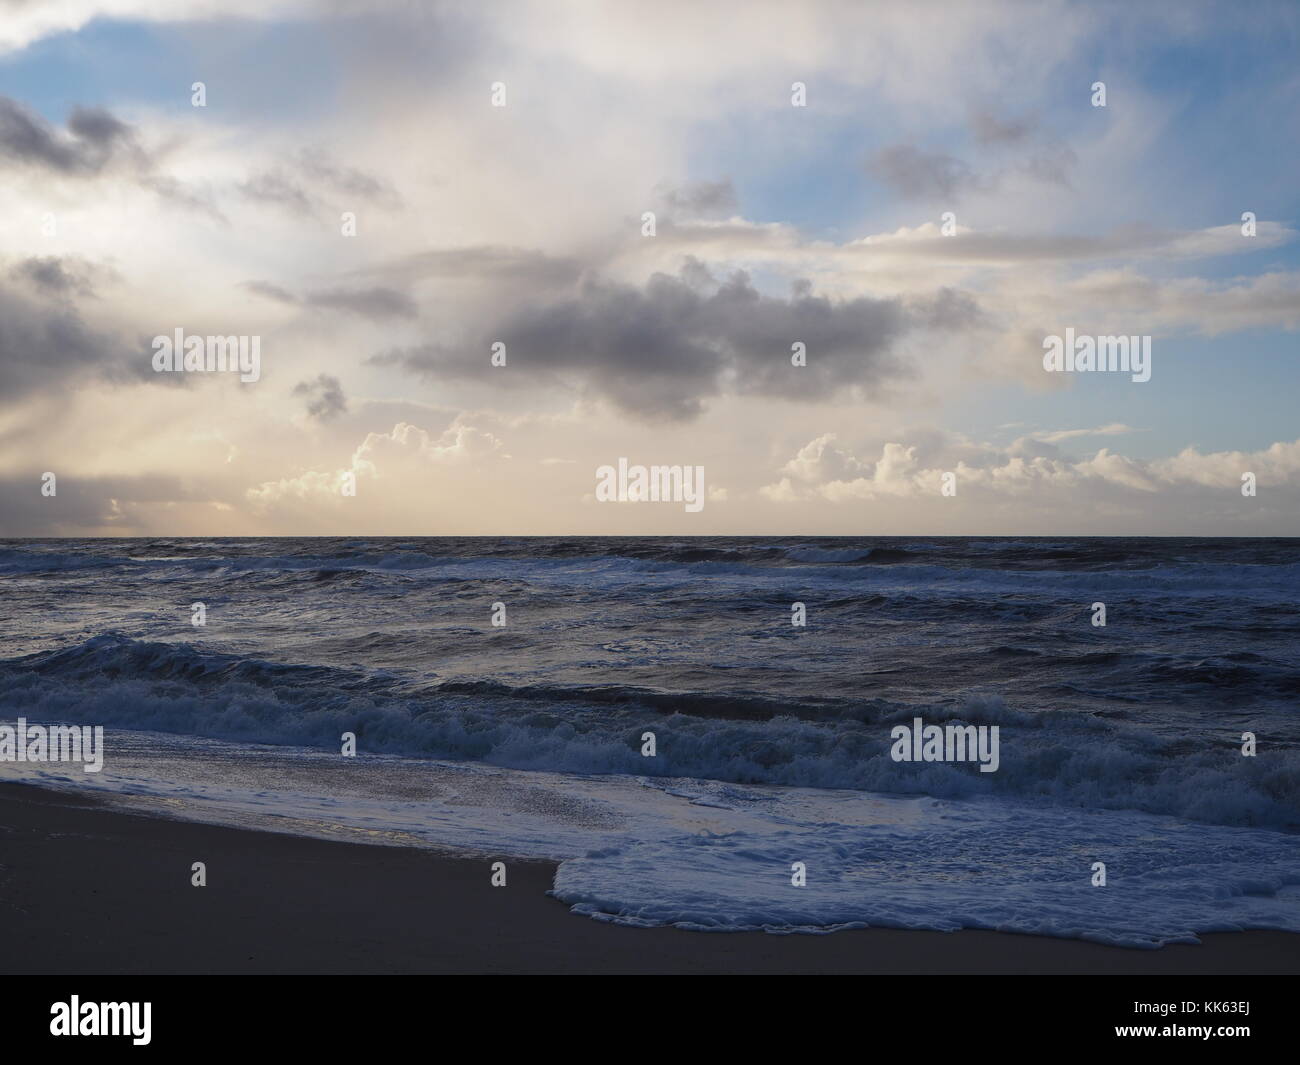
(88, 889)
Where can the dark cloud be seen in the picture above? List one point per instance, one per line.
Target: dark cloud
(94, 139)
(660, 351)
(324, 395)
(271, 292)
(377, 303)
(1051, 165)
(1047, 160)
(276, 189)
(81, 503)
(96, 126)
(182, 195)
(319, 167)
(918, 174)
(51, 276)
(701, 199)
(95, 143)
(45, 344)
(309, 181)
(987, 128)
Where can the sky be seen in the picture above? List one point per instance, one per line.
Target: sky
(645, 209)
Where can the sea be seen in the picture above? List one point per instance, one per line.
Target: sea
(699, 731)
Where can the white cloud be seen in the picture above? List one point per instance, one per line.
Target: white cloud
(401, 456)
(25, 22)
(1039, 480)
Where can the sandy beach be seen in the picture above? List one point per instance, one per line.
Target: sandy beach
(85, 889)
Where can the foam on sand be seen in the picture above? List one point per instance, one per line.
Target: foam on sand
(715, 856)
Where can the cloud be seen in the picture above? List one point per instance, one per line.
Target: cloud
(377, 303)
(528, 266)
(1277, 464)
(26, 21)
(459, 443)
(84, 505)
(1208, 306)
(659, 351)
(825, 470)
(779, 245)
(304, 183)
(96, 144)
(1048, 161)
(401, 458)
(324, 395)
(987, 128)
(701, 199)
(319, 167)
(518, 224)
(1050, 165)
(271, 292)
(277, 189)
(917, 174)
(1055, 436)
(50, 275)
(1045, 442)
(94, 140)
(822, 460)
(45, 344)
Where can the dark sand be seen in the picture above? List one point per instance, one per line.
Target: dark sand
(84, 889)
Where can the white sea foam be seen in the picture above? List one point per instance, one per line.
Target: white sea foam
(1071, 759)
(716, 856)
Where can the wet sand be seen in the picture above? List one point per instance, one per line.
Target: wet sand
(87, 889)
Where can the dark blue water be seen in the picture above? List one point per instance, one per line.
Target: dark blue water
(393, 639)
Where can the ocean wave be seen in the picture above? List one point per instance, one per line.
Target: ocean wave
(1085, 553)
(1147, 573)
(1051, 756)
(948, 866)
